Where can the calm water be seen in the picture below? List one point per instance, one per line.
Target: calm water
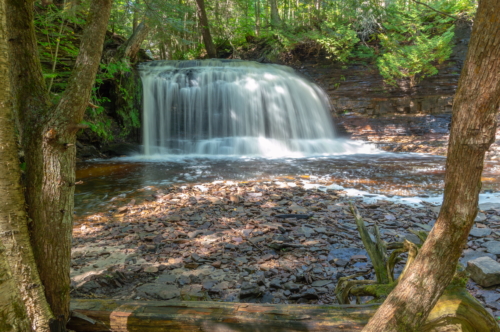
(386, 173)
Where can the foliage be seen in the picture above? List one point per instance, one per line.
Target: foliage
(413, 43)
(96, 117)
(404, 39)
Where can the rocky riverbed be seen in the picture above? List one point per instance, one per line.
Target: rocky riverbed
(258, 241)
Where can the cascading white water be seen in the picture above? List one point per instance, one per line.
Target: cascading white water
(231, 107)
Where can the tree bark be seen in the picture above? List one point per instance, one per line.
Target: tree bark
(48, 140)
(257, 18)
(275, 15)
(205, 30)
(131, 48)
(20, 279)
(13, 311)
(473, 130)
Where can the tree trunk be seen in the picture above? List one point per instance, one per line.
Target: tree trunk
(135, 17)
(205, 31)
(17, 264)
(257, 18)
(472, 132)
(48, 140)
(275, 15)
(131, 48)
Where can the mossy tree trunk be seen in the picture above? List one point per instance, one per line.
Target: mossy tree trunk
(48, 139)
(473, 130)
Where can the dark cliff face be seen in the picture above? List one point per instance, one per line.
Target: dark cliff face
(359, 88)
(399, 119)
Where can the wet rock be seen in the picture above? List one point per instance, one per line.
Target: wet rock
(151, 269)
(413, 238)
(166, 278)
(485, 271)
(493, 247)
(163, 292)
(321, 283)
(309, 294)
(470, 254)
(297, 209)
(480, 232)
(173, 218)
(276, 283)
(346, 253)
(249, 290)
(194, 234)
(193, 293)
(88, 286)
(489, 206)
(480, 217)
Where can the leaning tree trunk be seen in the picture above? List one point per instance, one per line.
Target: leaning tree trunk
(472, 132)
(131, 48)
(205, 30)
(48, 140)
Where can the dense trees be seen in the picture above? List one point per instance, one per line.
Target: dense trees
(405, 39)
(472, 132)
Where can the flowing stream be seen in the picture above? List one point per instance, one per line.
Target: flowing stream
(218, 120)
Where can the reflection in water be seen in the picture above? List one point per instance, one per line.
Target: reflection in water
(389, 174)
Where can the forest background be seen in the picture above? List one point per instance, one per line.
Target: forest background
(404, 40)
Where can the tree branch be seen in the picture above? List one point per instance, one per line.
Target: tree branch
(75, 98)
(437, 11)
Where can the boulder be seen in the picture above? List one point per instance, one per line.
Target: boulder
(485, 271)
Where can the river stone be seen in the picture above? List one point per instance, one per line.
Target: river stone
(470, 254)
(492, 247)
(485, 271)
(345, 254)
(435, 209)
(489, 206)
(321, 283)
(151, 269)
(163, 292)
(413, 238)
(480, 217)
(480, 232)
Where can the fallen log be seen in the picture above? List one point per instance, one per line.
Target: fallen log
(455, 311)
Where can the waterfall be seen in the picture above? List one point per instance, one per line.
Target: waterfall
(235, 108)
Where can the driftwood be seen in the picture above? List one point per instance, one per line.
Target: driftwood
(455, 311)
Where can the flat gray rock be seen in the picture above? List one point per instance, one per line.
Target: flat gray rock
(480, 232)
(470, 254)
(480, 217)
(321, 283)
(412, 238)
(493, 247)
(346, 253)
(485, 271)
(162, 292)
(489, 206)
